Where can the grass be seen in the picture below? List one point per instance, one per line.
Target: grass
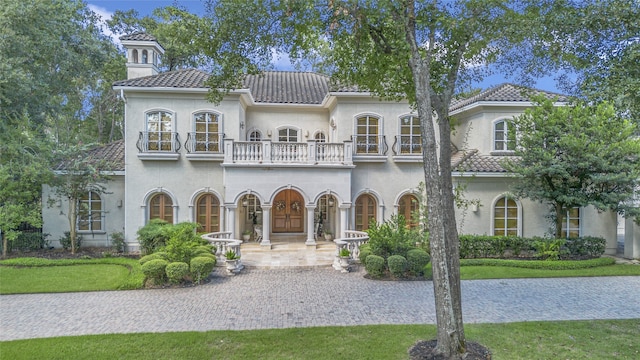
(601, 339)
(34, 275)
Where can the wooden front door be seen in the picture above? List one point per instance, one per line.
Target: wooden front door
(288, 212)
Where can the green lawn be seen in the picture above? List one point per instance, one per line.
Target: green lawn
(32, 275)
(505, 272)
(603, 339)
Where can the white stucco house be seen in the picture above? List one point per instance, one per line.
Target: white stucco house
(287, 150)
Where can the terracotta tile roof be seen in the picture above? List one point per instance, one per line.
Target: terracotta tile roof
(476, 162)
(112, 153)
(138, 36)
(186, 78)
(504, 93)
(288, 87)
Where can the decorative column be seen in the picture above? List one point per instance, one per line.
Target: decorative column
(266, 225)
(310, 225)
(231, 219)
(344, 219)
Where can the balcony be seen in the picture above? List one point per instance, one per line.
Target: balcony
(158, 145)
(407, 148)
(370, 148)
(265, 152)
(204, 146)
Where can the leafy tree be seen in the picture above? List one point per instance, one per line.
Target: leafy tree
(81, 171)
(23, 167)
(410, 50)
(577, 155)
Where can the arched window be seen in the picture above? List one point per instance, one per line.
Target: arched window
(505, 217)
(161, 207)
(90, 214)
(365, 211)
(571, 224)
(159, 131)
(408, 207)
(255, 135)
(208, 213)
(135, 55)
(504, 136)
(288, 135)
(145, 56)
(320, 137)
(367, 135)
(410, 138)
(207, 132)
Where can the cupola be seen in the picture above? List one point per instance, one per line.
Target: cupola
(143, 54)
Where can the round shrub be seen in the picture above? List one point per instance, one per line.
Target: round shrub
(427, 272)
(201, 267)
(417, 259)
(203, 250)
(176, 272)
(155, 269)
(154, 256)
(397, 265)
(365, 250)
(374, 265)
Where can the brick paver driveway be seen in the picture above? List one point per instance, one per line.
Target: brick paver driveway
(295, 297)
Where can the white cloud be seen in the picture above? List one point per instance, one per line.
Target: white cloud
(104, 15)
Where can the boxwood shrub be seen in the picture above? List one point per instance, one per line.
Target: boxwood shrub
(417, 259)
(484, 246)
(154, 256)
(365, 250)
(176, 272)
(155, 269)
(374, 265)
(397, 265)
(201, 267)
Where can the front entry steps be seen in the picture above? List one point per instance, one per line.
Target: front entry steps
(284, 254)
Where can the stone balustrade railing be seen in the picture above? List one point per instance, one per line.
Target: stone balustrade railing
(223, 243)
(308, 153)
(352, 241)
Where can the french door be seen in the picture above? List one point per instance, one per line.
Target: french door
(288, 212)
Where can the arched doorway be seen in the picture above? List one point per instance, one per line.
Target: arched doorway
(365, 211)
(288, 212)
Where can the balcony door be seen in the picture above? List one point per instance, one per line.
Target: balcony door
(288, 212)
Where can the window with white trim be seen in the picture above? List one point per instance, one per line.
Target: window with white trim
(367, 139)
(206, 131)
(504, 136)
(410, 138)
(159, 125)
(505, 217)
(90, 212)
(288, 135)
(320, 137)
(255, 135)
(571, 224)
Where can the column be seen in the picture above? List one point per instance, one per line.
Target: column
(231, 220)
(266, 225)
(344, 218)
(310, 225)
(631, 239)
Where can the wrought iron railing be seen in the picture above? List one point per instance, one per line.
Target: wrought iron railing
(158, 141)
(407, 145)
(369, 145)
(204, 143)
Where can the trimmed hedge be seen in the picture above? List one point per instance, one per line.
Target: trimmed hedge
(397, 265)
(417, 259)
(176, 272)
(201, 267)
(484, 246)
(535, 264)
(155, 269)
(154, 256)
(365, 250)
(374, 265)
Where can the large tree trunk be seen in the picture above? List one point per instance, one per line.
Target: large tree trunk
(559, 217)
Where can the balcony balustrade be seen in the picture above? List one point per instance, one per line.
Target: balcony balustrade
(407, 145)
(370, 145)
(204, 143)
(285, 153)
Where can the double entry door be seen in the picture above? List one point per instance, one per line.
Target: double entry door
(288, 212)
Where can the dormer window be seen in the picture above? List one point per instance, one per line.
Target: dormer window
(504, 136)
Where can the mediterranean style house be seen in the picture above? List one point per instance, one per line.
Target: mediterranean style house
(287, 155)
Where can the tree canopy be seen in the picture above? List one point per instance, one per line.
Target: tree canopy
(576, 155)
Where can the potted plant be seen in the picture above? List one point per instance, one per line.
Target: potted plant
(246, 235)
(328, 235)
(345, 257)
(232, 261)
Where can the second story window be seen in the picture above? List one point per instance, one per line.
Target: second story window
(207, 132)
(159, 131)
(504, 136)
(410, 139)
(288, 135)
(367, 135)
(255, 135)
(320, 137)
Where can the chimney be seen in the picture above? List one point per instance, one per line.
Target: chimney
(143, 54)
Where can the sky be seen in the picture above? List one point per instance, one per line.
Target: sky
(106, 8)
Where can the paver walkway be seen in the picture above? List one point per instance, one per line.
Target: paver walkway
(297, 297)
